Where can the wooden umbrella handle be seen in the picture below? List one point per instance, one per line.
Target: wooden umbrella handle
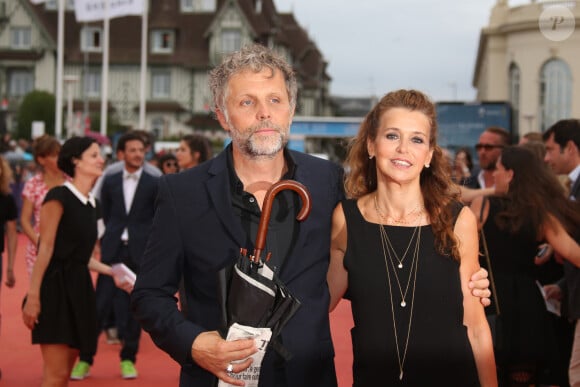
(267, 210)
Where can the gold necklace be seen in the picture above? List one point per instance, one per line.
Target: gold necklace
(385, 218)
(414, 265)
(390, 245)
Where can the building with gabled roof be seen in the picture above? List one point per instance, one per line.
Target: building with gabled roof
(186, 38)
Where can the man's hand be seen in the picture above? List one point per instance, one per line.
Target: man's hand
(479, 286)
(215, 354)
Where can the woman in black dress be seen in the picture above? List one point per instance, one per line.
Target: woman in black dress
(402, 250)
(60, 304)
(530, 207)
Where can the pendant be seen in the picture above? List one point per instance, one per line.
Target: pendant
(401, 375)
(403, 303)
(400, 265)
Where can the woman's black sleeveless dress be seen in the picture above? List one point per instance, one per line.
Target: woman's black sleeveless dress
(438, 352)
(67, 295)
(524, 318)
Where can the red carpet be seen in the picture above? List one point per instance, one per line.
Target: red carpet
(21, 362)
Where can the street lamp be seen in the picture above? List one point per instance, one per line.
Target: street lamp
(69, 80)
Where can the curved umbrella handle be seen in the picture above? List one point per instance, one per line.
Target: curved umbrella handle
(267, 210)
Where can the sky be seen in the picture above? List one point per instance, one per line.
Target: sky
(375, 46)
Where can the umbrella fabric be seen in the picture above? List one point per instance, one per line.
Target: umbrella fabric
(251, 298)
(250, 292)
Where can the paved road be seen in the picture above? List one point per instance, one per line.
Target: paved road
(21, 362)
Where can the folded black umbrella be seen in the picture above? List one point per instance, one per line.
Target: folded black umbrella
(250, 291)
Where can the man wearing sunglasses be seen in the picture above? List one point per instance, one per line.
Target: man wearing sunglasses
(488, 149)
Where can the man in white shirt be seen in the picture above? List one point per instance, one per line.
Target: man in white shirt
(488, 149)
(563, 155)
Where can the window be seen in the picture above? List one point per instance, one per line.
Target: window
(158, 126)
(555, 92)
(92, 83)
(91, 39)
(160, 84)
(231, 40)
(187, 6)
(198, 5)
(20, 82)
(20, 37)
(53, 4)
(163, 41)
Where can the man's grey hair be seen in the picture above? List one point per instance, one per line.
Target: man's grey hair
(254, 57)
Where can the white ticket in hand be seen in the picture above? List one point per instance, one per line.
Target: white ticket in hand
(123, 273)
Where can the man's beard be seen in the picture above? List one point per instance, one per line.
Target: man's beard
(489, 167)
(262, 146)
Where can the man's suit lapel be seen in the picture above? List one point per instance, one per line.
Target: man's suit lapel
(288, 272)
(117, 190)
(218, 186)
(575, 190)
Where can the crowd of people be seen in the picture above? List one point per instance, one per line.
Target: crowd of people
(397, 235)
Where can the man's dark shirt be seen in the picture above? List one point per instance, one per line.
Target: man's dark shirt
(283, 227)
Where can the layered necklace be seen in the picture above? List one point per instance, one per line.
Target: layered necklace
(392, 263)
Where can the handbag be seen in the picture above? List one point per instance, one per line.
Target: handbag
(494, 320)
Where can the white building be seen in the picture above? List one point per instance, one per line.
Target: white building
(529, 55)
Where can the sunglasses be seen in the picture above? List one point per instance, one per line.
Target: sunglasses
(487, 146)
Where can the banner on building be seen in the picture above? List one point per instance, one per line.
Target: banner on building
(94, 10)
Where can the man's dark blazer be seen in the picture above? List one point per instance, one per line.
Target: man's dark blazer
(138, 221)
(571, 282)
(575, 189)
(196, 233)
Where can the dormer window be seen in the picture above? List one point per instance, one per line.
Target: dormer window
(198, 5)
(20, 38)
(162, 41)
(231, 40)
(91, 39)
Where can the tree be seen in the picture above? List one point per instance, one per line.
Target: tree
(36, 106)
